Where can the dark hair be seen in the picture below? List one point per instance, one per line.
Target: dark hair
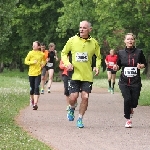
(43, 44)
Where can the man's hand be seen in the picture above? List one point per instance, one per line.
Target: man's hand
(70, 67)
(96, 71)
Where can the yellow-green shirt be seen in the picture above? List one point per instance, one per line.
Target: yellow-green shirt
(35, 69)
(82, 52)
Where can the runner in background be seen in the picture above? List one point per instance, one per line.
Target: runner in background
(44, 74)
(36, 61)
(52, 56)
(110, 60)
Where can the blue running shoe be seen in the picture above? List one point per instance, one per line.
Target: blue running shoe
(79, 123)
(70, 114)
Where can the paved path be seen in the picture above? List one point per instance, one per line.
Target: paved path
(104, 123)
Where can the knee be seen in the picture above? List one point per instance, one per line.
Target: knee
(84, 96)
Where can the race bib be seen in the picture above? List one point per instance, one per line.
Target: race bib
(49, 64)
(81, 57)
(130, 71)
(111, 63)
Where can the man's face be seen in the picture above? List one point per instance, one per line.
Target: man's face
(42, 48)
(84, 29)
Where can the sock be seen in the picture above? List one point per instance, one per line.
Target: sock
(72, 107)
(109, 82)
(113, 85)
(49, 88)
(80, 116)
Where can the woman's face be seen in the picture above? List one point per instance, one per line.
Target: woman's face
(129, 41)
(35, 46)
(51, 47)
(112, 52)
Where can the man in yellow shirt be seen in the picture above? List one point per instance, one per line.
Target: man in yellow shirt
(36, 61)
(82, 48)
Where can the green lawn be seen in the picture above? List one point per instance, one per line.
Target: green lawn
(14, 96)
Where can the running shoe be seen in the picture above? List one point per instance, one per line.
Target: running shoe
(35, 107)
(48, 91)
(112, 91)
(42, 91)
(31, 102)
(109, 89)
(70, 114)
(128, 124)
(79, 123)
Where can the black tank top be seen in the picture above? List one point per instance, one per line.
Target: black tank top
(51, 55)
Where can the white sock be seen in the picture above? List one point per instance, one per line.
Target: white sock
(80, 116)
(71, 106)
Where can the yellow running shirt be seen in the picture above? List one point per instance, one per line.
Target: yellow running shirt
(82, 52)
(35, 69)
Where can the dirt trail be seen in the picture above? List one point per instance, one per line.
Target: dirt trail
(104, 123)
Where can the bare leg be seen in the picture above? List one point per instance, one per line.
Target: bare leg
(84, 103)
(50, 72)
(36, 97)
(73, 99)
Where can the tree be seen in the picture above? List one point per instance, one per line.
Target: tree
(6, 14)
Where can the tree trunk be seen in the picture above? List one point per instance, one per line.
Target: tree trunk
(1, 67)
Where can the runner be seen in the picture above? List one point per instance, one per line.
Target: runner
(66, 77)
(131, 60)
(110, 60)
(36, 61)
(82, 47)
(52, 55)
(44, 74)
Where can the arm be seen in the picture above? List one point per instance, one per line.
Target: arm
(43, 61)
(56, 55)
(61, 65)
(28, 60)
(117, 66)
(98, 59)
(142, 64)
(106, 61)
(65, 52)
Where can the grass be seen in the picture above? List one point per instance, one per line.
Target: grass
(14, 96)
(144, 100)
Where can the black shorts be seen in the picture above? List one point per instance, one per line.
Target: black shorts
(48, 68)
(66, 84)
(111, 70)
(79, 86)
